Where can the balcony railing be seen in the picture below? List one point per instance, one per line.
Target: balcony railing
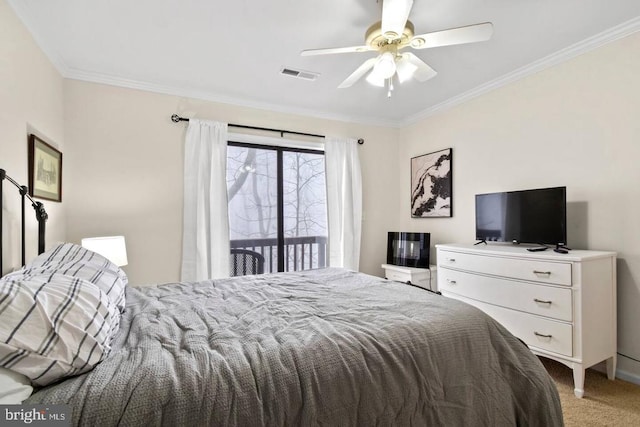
(301, 253)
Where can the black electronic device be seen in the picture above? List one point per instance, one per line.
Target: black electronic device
(561, 249)
(408, 249)
(528, 216)
(537, 249)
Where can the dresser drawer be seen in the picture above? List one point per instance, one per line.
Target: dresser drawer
(538, 332)
(538, 299)
(558, 273)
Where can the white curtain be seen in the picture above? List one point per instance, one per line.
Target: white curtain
(205, 240)
(344, 201)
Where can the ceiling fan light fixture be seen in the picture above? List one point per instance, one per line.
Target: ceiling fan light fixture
(385, 65)
(375, 79)
(405, 70)
(394, 33)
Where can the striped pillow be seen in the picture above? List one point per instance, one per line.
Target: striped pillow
(54, 326)
(75, 261)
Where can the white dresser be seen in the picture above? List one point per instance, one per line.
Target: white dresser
(562, 305)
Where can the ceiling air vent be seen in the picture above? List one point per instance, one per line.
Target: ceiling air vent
(299, 74)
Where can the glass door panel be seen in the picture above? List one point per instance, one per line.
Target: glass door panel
(253, 201)
(305, 210)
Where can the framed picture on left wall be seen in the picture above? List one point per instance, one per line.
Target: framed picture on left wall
(45, 170)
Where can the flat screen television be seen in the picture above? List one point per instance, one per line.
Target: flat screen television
(528, 216)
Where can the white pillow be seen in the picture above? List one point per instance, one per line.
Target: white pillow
(14, 387)
(53, 325)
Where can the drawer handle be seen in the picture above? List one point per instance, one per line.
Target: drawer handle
(546, 273)
(451, 259)
(451, 282)
(542, 335)
(539, 301)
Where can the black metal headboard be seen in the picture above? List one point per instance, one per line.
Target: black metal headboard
(41, 216)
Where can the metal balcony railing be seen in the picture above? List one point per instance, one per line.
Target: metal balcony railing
(301, 253)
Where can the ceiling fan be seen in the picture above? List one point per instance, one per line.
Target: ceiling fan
(391, 36)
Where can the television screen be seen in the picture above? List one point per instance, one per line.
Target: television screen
(528, 216)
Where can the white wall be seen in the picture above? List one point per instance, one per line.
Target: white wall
(30, 102)
(575, 125)
(127, 168)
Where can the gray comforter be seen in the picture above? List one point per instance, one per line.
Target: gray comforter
(325, 347)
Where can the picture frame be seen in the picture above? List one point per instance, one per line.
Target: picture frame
(431, 185)
(45, 170)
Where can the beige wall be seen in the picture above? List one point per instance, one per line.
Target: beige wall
(127, 158)
(576, 124)
(30, 102)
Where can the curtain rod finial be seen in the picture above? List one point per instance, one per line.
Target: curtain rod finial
(360, 141)
(175, 118)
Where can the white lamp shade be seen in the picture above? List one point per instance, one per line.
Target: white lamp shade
(385, 65)
(112, 248)
(375, 79)
(405, 69)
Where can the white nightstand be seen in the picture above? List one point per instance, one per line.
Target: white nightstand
(423, 277)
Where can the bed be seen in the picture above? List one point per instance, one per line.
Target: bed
(320, 347)
(317, 347)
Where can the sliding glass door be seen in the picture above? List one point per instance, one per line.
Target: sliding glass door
(277, 205)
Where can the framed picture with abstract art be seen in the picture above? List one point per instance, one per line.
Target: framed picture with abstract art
(431, 185)
(45, 170)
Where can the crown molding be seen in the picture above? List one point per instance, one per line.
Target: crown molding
(584, 46)
(222, 99)
(22, 10)
(615, 33)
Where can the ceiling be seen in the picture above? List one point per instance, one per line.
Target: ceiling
(233, 51)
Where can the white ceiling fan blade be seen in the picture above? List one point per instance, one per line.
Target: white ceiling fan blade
(361, 71)
(332, 50)
(423, 72)
(453, 36)
(394, 17)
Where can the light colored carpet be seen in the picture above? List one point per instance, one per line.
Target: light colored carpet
(605, 403)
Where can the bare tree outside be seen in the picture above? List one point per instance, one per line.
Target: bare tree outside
(253, 205)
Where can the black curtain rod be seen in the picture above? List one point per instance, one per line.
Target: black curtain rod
(176, 118)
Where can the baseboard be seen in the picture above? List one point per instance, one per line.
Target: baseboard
(621, 374)
(628, 376)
